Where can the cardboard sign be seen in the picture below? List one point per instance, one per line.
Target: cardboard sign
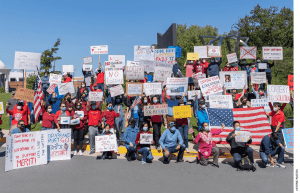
(25, 94)
(114, 64)
(27, 60)
(214, 51)
(95, 96)
(262, 66)
(59, 144)
(152, 89)
(114, 77)
(176, 86)
(116, 91)
(180, 112)
(51, 88)
(132, 63)
(99, 49)
(233, 79)
(67, 68)
(64, 88)
(202, 50)
(261, 103)
(106, 143)
(135, 72)
(146, 139)
(242, 136)
(87, 67)
(192, 94)
(149, 65)
(79, 113)
(220, 101)
(232, 58)
(192, 56)
(1, 108)
(165, 55)
(155, 110)
(278, 93)
(133, 89)
(117, 58)
(55, 78)
(87, 60)
(288, 135)
(161, 74)
(258, 77)
(197, 77)
(143, 53)
(210, 85)
(272, 53)
(291, 81)
(248, 53)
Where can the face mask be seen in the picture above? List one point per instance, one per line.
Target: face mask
(109, 108)
(203, 106)
(83, 85)
(63, 108)
(258, 60)
(54, 97)
(145, 101)
(69, 99)
(148, 73)
(237, 128)
(46, 75)
(227, 65)
(203, 61)
(244, 102)
(118, 100)
(22, 127)
(145, 128)
(94, 106)
(155, 101)
(49, 110)
(132, 125)
(206, 128)
(275, 108)
(212, 61)
(19, 107)
(175, 63)
(253, 66)
(173, 129)
(78, 107)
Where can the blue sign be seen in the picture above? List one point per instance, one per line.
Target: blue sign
(177, 51)
(288, 135)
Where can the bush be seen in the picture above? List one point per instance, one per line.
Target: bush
(2, 89)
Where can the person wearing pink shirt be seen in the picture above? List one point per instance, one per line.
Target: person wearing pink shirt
(189, 73)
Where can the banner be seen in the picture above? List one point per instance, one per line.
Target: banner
(258, 77)
(105, 143)
(143, 53)
(135, 72)
(232, 58)
(87, 60)
(192, 94)
(262, 66)
(149, 65)
(27, 60)
(67, 68)
(146, 138)
(132, 63)
(116, 90)
(278, 93)
(177, 86)
(233, 79)
(117, 58)
(202, 50)
(242, 136)
(192, 56)
(152, 89)
(165, 55)
(197, 77)
(55, 78)
(114, 64)
(87, 67)
(180, 112)
(288, 135)
(291, 81)
(114, 77)
(133, 89)
(161, 74)
(220, 101)
(25, 94)
(95, 96)
(210, 85)
(272, 53)
(261, 103)
(99, 49)
(155, 110)
(248, 53)
(214, 51)
(59, 144)
(64, 88)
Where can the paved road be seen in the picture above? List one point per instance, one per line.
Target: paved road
(87, 174)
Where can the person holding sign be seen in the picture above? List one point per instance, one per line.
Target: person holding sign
(183, 128)
(78, 130)
(17, 114)
(81, 90)
(20, 129)
(100, 77)
(250, 70)
(176, 68)
(130, 136)
(213, 67)
(260, 94)
(144, 149)
(117, 103)
(189, 72)
(54, 100)
(62, 111)
(202, 115)
(68, 101)
(142, 118)
(106, 154)
(230, 68)
(67, 78)
(94, 121)
(268, 71)
(148, 77)
(198, 67)
(48, 117)
(45, 85)
(156, 122)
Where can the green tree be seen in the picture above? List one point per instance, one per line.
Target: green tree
(47, 56)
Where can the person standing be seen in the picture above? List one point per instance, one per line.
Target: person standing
(94, 121)
(45, 85)
(213, 67)
(156, 122)
(12, 102)
(62, 111)
(17, 114)
(176, 68)
(117, 103)
(48, 118)
(183, 128)
(100, 77)
(189, 72)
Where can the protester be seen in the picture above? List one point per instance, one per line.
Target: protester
(45, 85)
(12, 102)
(267, 71)
(260, 94)
(20, 128)
(107, 154)
(87, 75)
(156, 122)
(67, 78)
(94, 121)
(81, 90)
(202, 115)
(109, 115)
(173, 101)
(204, 65)
(250, 70)
(54, 100)
(198, 67)
(57, 117)
(183, 128)
(149, 77)
(68, 101)
(213, 67)
(144, 149)
(48, 117)
(130, 137)
(117, 103)
(100, 77)
(189, 72)
(144, 102)
(229, 67)
(135, 110)
(243, 103)
(17, 114)
(176, 68)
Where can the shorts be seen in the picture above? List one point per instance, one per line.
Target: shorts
(190, 80)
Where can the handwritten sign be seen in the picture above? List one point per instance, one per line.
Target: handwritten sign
(278, 93)
(143, 53)
(55, 78)
(272, 53)
(146, 138)
(242, 136)
(152, 89)
(262, 66)
(220, 101)
(261, 103)
(114, 77)
(176, 86)
(27, 60)
(248, 53)
(117, 58)
(165, 55)
(197, 77)
(114, 64)
(180, 112)
(134, 89)
(210, 85)
(64, 88)
(291, 81)
(232, 58)
(87, 60)
(149, 65)
(116, 91)
(87, 67)
(202, 50)
(155, 110)
(192, 56)
(132, 63)
(95, 96)
(99, 49)
(192, 94)
(258, 77)
(1, 108)
(135, 72)
(161, 74)
(233, 79)
(105, 143)
(288, 135)
(67, 68)
(59, 144)
(25, 94)
(214, 51)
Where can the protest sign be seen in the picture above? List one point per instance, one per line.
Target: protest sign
(210, 85)
(192, 56)
(143, 53)
(75, 121)
(132, 63)
(202, 50)
(278, 93)
(55, 78)
(165, 55)
(24, 94)
(288, 135)
(133, 89)
(25, 150)
(114, 64)
(258, 77)
(79, 113)
(67, 68)
(27, 60)
(155, 110)
(87, 81)
(113, 69)
(152, 89)
(180, 112)
(272, 53)
(99, 49)
(261, 103)
(197, 77)
(177, 86)
(87, 60)
(95, 96)
(233, 79)
(105, 143)
(262, 66)
(291, 81)
(59, 144)
(232, 58)
(51, 88)
(161, 74)
(65, 119)
(87, 67)
(220, 101)
(64, 88)
(192, 94)
(135, 72)
(242, 136)
(214, 51)
(114, 77)
(248, 53)
(177, 51)
(146, 139)
(1, 108)
(117, 58)
(149, 65)
(116, 90)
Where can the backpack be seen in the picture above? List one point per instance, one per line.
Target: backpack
(245, 164)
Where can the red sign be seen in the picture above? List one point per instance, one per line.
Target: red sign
(291, 82)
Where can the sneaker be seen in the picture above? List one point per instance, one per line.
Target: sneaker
(280, 165)
(158, 148)
(187, 150)
(103, 157)
(80, 152)
(144, 162)
(75, 152)
(92, 152)
(254, 165)
(180, 160)
(215, 165)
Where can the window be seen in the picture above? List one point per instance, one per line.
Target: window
(21, 79)
(12, 80)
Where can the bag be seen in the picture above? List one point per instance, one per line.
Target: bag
(245, 164)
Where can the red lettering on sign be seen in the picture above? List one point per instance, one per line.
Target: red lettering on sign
(26, 162)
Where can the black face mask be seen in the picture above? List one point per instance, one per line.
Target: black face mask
(69, 99)
(244, 102)
(132, 125)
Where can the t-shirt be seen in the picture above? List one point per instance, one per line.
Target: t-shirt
(94, 116)
(135, 112)
(189, 70)
(277, 117)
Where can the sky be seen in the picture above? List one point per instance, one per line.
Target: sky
(35, 25)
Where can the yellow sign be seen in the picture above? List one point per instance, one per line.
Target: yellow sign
(180, 112)
(192, 56)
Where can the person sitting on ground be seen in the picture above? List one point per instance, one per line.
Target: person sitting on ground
(130, 137)
(106, 154)
(144, 149)
(20, 129)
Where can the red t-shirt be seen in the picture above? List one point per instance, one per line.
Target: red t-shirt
(204, 66)
(277, 117)
(94, 117)
(56, 116)
(198, 67)
(183, 121)
(26, 108)
(17, 116)
(231, 68)
(67, 80)
(110, 117)
(156, 118)
(100, 78)
(47, 120)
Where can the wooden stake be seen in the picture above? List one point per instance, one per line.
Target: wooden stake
(99, 58)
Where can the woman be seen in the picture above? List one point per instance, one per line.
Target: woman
(78, 130)
(156, 121)
(183, 128)
(68, 101)
(144, 149)
(48, 118)
(204, 138)
(142, 118)
(81, 90)
(54, 100)
(242, 102)
(107, 131)
(189, 72)
(17, 114)
(67, 78)
(62, 111)
(100, 77)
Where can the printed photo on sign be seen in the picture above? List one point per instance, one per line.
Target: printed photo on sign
(192, 94)
(278, 93)
(146, 139)
(177, 86)
(143, 53)
(27, 60)
(210, 85)
(88, 60)
(233, 79)
(248, 53)
(272, 53)
(116, 91)
(152, 89)
(165, 55)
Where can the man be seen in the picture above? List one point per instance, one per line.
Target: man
(270, 146)
(239, 149)
(176, 68)
(45, 85)
(201, 115)
(234, 93)
(213, 67)
(12, 102)
(250, 70)
(130, 136)
(94, 120)
(18, 113)
(168, 142)
(20, 129)
(198, 67)
(117, 103)
(171, 103)
(268, 71)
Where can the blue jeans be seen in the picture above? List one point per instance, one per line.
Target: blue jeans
(45, 128)
(93, 132)
(184, 129)
(173, 150)
(146, 152)
(278, 150)
(46, 94)
(120, 125)
(101, 86)
(237, 156)
(10, 118)
(132, 151)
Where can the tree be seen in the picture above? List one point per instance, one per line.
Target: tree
(47, 56)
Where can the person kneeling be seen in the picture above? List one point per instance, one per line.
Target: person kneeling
(107, 154)
(143, 148)
(168, 142)
(130, 136)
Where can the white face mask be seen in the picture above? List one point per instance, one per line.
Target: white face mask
(19, 107)
(49, 110)
(203, 61)
(275, 108)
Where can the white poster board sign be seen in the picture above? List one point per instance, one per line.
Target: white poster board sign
(220, 101)
(79, 113)
(143, 53)
(177, 86)
(262, 66)
(55, 78)
(152, 89)
(64, 88)
(202, 50)
(278, 93)
(103, 49)
(214, 51)
(105, 143)
(192, 94)
(65, 119)
(210, 85)
(242, 136)
(248, 53)
(114, 64)
(116, 90)
(132, 63)
(117, 58)
(95, 96)
(134, 89)
(232, 58)
(165, 55)
(261, 103)
(272, 53)
(27, 60)
(87, 60)
(233, 79)
(146, 138)
(67, 68)
(258, 77)
(161, 74)
(150, 65)
(135, 72)
(114, 77)
(87, 67)
(197, 77)
(59, 144)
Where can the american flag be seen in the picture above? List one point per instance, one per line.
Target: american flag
(51, 88)
(38, 95)
(135, 102)
(252, 119)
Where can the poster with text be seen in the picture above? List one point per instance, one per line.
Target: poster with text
(64, 88)
(133, 89)
(210, 85)
(95, 96)
(87, 60)
(197, 77)
(261, 103)
(59, 144)
(220, 101)
(106, 143)
(248, 53)
(291, 81)
(202, 50)
(177, 86)
(161, 74)
(262, 66)
(258, 77)
(27, 60)
(192, 94)
(103, 49)
(117, 58)
(165, 55)
(150, 65)
(214, 51)
(55, 78)
(272, 53)
(146, 139)
(135, 72)
(278, 93)
(114, 77)
(132, 63)
(232, 58)
(233, 79)
(155, 110)
(152, 89)
(114, 64)
(116, 91)
(67, 68)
